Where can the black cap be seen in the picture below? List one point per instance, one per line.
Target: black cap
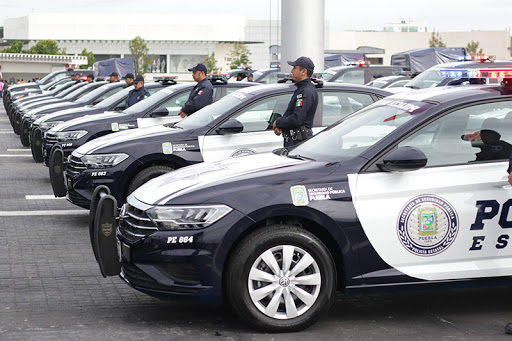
(76, 74)
(115, 74)
(199, 67)
(90, 76)
(137, 79)
(304, 62)
(129, 75)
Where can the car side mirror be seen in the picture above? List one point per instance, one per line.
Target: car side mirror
(160, 112)
(403, 159)
(230, 127)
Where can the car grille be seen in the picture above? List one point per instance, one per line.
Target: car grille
(51, 138)
(75, 165)
(139, 278)
(136, 222)
(78, 200)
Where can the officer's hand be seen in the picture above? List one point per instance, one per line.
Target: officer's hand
(182, 114)
(277, 131)
(510, 178)
(274, 125)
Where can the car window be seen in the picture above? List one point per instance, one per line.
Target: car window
(399, 84)
(175, 103)
(230, 90)
(338, 105)
(474, 134)
(352, 77)
(261, 115)
(109, 93)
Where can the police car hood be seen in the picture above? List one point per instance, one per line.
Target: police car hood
(202, 182)
(55, 116)
(123, 141)
(77, 123)
(47, 101)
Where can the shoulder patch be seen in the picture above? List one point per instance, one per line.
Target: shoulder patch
(299, 103)
(299, 96)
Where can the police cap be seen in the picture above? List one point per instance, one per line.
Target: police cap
(114, 74)
(199, 67)
(137, 79)
(129, 75)
(90, 76)
(304, 62)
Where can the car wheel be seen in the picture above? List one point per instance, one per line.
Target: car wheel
(281, 279)
(147, 174)
(24, 131)
(36, 145)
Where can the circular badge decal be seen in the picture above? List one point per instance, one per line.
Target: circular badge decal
(427, 225)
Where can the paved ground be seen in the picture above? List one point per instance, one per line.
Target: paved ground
(51, 288)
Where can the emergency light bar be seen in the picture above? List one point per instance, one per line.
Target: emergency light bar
(477, 58)
(165, 78)
(218, 78)
(468, 73)
(358, 63)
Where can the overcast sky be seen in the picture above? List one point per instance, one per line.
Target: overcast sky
(439, 15)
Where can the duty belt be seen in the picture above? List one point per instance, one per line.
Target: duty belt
(297, 134)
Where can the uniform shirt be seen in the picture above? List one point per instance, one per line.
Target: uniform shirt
(201, 96)
(135, 96)
(302, 107)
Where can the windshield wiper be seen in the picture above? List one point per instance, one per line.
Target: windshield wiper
(412, 86)
(300, 157)
(172, 125)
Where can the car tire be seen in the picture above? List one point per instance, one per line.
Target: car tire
(145, 175)
(24, 131)
(36, 145)
(298, 305)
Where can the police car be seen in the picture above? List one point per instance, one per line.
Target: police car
(70, 94)
(42, 91)
(410, 192)
(113, 103)
(395, 81)
(432, 77)
(94, 93)
(359, 72)
(162, 108)
(238, 124)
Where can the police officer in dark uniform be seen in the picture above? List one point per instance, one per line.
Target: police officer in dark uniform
(129, 78)
(76, 77)
(201, 95)
(139, 93)
(114, 77)
(90, 78)
(296, 123)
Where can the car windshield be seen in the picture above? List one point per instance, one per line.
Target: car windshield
(155, 99)
(358, 132)
(330, 72)
(427, 79)
(213, 111)
(93, 94)
(78, 93)
(111, 100)
(69, 90)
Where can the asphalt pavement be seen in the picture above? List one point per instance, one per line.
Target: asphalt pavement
(51, 287)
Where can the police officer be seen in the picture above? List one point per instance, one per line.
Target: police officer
(76, 78)
(139, 93)
(114, 77)
(250, 77)
(201, 95)
(297, 120)
(129, 78)
(90, 78)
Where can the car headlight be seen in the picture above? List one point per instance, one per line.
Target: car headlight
(103, 160)
(70, 135)
(48, 125)
(186, 217)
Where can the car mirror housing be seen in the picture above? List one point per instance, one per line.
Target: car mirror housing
(160, 112)
(230, 127)
(403, 159)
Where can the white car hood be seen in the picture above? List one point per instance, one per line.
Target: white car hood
(122, 136)
(179, 182)
(86, 118)
(61, 112)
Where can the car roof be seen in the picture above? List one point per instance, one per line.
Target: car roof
(282, 87)
(446, 94)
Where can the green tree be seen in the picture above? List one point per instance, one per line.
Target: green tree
(90, 59)
(472, 48)
(436, 40)
(46, 47)
(139, 51)
(15, 47)
(240, 54)
(211, 63)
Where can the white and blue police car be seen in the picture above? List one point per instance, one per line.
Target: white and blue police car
(411, 191)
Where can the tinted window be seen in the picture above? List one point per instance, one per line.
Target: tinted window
(352, 77)
(337, 105)
(474, 134)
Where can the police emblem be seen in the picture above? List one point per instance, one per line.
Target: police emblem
(106, 229)
(115, 126)
(427, 225)
(242, 152)
(299, 195)
(167, 148)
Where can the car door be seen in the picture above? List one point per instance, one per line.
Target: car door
(450, 219)
(172, 106)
